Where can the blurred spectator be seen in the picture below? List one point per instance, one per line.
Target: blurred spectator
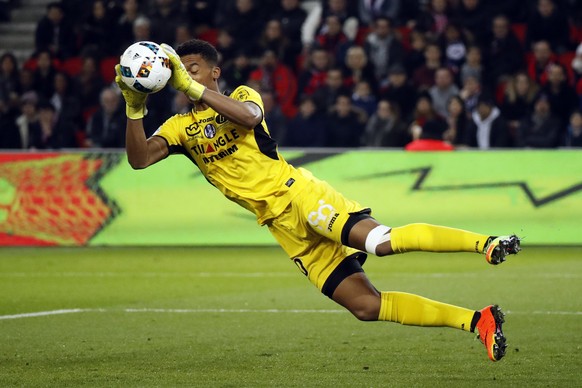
(430, 138)
(540, 129)
(50, 133)
(332, 39)
(473, 67)
(433, 20)
(423, 77)
(29, 101)
(371, 10)
(470, 93)
(236, 72)
(26, 80)
(292, 16)
(273, 75)
(454, 47)
(542, 58)
(276, 121)
(518, 100)
(165, 18)
(345, 124)
(473, 17)
(457, 121)
(577, 69)
(272, 38)
(97, 30)
(65, 100)
(423, 112)
(316, 22)
(443, 89)
(487, 129)
(363, 98)
(245, 23)
(548, 23)
(183, 34)
(516, 10)
(503, 52)
(124, 29)
(44, 75)
(574, 133)
(385, 128)
(399, 91)
(326, 95)
(201, 15)
(89, 83)
(9, 82)
(227, 48)
(9, 102)
(142, 29)
(315, 73)
(382, 47)
(561, 96)
(308, 128)
(414, 58)
(357, 67)
(106, 127)
(53, 33)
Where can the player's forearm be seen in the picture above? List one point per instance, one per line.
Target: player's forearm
(136, 144)
(242, 113)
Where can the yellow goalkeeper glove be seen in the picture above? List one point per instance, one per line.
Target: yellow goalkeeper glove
(135, 107)
(180, 79)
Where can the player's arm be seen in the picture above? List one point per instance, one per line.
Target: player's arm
(247, 114)
(141, 152)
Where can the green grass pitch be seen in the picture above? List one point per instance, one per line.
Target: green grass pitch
(246, 317)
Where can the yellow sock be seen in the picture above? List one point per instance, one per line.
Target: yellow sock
(409, 309)
(434, 238)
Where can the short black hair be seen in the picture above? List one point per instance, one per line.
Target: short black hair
(201, 47)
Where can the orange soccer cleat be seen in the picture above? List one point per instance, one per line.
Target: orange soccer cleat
(490, 333)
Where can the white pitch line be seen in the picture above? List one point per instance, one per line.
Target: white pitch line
(436, 275)
(230, 311)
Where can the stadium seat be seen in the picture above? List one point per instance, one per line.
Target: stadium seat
(403, 33)
(107, 68)
(72, 66)
(210, 35)
(361, 35)
(520, 31)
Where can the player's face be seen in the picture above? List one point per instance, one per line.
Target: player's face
(200, 70)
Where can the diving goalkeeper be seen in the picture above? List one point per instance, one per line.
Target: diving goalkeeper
(325, 234)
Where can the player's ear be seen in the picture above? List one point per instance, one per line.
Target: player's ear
(216, 72)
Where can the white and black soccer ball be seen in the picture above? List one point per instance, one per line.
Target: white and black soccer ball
(145, 67)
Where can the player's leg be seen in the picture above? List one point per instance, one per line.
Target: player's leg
(357, 294)
(369, 235)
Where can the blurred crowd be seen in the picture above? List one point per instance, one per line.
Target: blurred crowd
(411, 74)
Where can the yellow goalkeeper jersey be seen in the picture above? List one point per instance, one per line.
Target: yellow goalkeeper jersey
(243, 163)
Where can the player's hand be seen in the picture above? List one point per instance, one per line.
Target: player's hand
(135, 107)
(180, 79)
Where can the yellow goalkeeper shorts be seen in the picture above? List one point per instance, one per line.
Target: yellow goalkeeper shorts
(313, 226)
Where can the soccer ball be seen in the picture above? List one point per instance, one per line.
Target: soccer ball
(145, 67)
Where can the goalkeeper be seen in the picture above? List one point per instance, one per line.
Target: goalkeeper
(325, 234)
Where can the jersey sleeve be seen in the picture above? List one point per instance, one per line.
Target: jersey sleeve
(170, 132)
(244, 93)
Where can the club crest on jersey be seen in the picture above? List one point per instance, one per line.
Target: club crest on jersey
(209, 131)
(242, 95)
(324, 217)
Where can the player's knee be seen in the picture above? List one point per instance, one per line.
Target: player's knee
(366, 311)
(384, 249)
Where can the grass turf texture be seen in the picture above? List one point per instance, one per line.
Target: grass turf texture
(247, 317)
